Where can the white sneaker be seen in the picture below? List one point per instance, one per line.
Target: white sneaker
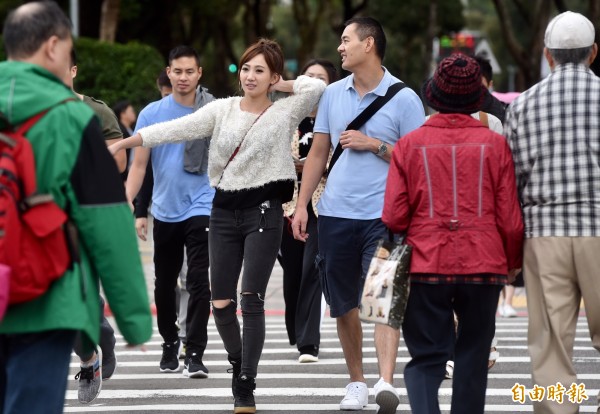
(509, 312)
(357, 396)
(449, 370)
(305, 358)
(386, 397)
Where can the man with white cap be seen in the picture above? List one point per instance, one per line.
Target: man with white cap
(554, 132)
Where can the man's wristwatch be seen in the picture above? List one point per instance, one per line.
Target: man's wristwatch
(382, 150)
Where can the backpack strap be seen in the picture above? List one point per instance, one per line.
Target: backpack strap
(26, 126)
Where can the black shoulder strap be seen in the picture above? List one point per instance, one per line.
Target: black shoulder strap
(364, 116)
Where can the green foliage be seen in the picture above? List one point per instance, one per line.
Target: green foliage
(112, 72)
(406, 24)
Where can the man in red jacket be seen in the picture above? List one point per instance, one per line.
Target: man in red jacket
(451, 187)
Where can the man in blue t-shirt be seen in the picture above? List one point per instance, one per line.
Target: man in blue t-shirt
(350, 209)
(181, 204)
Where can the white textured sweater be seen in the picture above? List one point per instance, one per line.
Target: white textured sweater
(265, 153)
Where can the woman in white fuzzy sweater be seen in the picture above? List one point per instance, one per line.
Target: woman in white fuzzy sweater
(251, 166)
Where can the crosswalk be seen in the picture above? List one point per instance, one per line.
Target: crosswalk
(286, 386)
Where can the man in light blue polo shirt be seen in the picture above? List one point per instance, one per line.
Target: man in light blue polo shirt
(351, 206)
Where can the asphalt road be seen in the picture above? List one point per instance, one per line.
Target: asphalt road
(286, 386)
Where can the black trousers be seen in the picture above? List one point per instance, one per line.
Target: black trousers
(301, 285)
(169, 242)
(251, 237)
(431, 340)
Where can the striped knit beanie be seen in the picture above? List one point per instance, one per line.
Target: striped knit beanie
(455, 86)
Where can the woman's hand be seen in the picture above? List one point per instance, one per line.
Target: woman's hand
(133, 141)
(298, 164)
(114, 148)
(281, 85)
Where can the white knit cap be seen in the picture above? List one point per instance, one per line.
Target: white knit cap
(569, 30)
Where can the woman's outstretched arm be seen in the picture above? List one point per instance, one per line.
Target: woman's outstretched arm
(133, 141)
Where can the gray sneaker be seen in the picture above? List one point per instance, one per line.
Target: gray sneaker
(109, 366)
(90, 380)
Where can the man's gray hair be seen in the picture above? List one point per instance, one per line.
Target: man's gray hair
(579, 55)
(29, 26)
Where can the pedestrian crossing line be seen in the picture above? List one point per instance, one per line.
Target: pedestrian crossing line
(287, 362)
(296, 375)
(322, 350)
(265, 392)
(277, 322)
(219, 342)
(331, 323)
(524, 339)
(368, 331)
(286, 386)
(286, 407)
(212, 331)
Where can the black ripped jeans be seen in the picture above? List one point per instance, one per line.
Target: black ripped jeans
(251, 236)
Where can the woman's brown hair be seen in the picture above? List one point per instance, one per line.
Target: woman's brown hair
(270, 50)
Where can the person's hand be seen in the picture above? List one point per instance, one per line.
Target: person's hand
(142, 347)
(281, 85)
(125, 143)
(512, 275)
(299, 165)
(299, 223)
(356, 140)
(141, 227)
(114, 148)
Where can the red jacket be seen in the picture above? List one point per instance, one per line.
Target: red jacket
(451, 184)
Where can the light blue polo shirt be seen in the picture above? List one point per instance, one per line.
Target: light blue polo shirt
(356, 184)
(177, 195)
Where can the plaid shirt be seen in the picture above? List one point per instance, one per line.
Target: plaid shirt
(554, 132)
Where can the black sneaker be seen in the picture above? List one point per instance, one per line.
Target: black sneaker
(170, 357)
(193, 366)
(244, 395)
(236, 370)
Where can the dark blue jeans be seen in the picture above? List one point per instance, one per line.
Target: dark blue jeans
(34, 368)
(251, 236)
(346, 247)
(431, 340)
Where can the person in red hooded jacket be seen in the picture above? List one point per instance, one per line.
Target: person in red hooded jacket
(451, 187)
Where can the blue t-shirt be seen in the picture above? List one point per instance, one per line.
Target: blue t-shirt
(356, 185)
(177, 194)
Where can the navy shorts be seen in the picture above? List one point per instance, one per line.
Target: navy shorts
(346, 247)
